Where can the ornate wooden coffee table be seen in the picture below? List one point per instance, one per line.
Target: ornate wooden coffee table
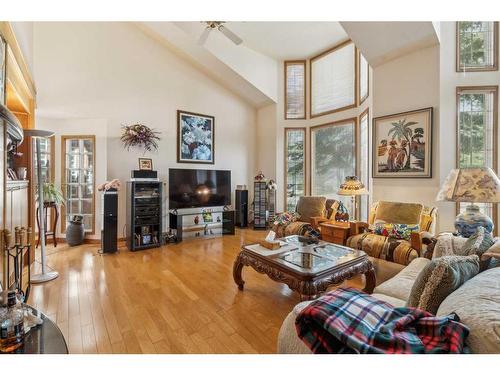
(307, 269)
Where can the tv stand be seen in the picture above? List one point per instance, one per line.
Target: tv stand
(207, 223)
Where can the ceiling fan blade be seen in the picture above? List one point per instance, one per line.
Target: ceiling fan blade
(204, 36)
(229, 34)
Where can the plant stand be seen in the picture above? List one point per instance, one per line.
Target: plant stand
(46, 207)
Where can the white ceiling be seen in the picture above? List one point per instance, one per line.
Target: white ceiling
(289, 40)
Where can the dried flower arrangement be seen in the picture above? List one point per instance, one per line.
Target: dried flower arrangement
(139, 135)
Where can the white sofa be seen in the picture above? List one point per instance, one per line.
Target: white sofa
(477, 303)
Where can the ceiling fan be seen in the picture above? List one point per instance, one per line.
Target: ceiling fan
(218, 25)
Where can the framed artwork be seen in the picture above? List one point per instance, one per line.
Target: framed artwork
(195, 138)
(145, 164)
(402, 145)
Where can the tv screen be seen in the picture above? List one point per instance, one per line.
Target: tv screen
(190, 188)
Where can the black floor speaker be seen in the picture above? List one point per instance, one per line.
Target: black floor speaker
(241, 208)
(109, 233)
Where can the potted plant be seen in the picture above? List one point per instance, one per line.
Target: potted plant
(52, 194)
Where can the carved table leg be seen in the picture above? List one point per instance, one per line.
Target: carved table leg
(237, 267)
(370, 279)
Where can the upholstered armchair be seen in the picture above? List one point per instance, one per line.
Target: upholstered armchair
(397, 250)
(311, 211)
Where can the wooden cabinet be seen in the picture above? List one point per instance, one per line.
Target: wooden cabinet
(335, 232)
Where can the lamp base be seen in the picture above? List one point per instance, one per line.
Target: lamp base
(467, 222)
(44, 277)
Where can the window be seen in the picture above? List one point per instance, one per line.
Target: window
(333, 157)
(78, 179)
(46, 153)
(295, 89)
(364, 162)
(333, 78)
(477, 46)
(363, 78)
(477, 111)
(295, 140)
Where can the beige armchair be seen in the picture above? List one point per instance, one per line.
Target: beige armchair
(394, 250)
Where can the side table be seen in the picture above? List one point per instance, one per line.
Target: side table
(336, 232)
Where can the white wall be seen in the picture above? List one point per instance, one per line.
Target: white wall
(408, 83)
(449, 81)
(97, 127)
(266, 140)
(114, 72)
(24, 35)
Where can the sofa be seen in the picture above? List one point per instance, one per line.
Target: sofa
(476, 302)
(401, 251)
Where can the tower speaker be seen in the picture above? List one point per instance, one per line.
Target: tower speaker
(109, 233)
(241, 208)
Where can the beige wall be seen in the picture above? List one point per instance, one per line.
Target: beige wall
(407, 83)
(114, 72)
(449, 81)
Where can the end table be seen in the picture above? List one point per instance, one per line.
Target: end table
(336, 232)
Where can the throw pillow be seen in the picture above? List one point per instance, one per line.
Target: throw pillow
(440, 278)
(478, 244)
(492, 252)
(286, 218)
(398, 231)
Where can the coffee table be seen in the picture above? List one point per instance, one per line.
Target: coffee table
(306, 269)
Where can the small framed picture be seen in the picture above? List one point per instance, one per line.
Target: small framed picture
(145, 164)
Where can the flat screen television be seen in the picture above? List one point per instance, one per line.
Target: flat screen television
(190, 188)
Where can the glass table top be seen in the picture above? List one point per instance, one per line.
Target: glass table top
(307, 260)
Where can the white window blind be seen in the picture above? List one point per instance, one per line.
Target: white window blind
(332, 80)
(295, 73)
(363, 78)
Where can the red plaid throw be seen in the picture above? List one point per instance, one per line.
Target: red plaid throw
(350, 321)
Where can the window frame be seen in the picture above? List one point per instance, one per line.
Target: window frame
(286, 64)
(325, 53)
(285, 156)
(360, 98)
(366, 113)
(350, 120)
(493, 89)
(489, 68)
(64, 138)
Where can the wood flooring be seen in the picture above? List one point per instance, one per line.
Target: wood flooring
(180, 298)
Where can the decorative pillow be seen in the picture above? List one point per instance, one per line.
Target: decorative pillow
(286, 218)
(399, 231)
(478, 244)
(492, 252)
(440, 278)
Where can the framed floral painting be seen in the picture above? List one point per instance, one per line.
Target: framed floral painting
(402, 145)
(195, 138)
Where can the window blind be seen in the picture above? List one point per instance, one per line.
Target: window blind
(295, 72)
(332, 80)
(364, 163)
(363, 78)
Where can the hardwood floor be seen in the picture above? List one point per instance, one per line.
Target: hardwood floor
(179, 298)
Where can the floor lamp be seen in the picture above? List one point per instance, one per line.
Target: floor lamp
(352, 187)
(44, 276)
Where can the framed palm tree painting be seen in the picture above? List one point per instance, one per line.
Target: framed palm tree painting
(402, 145)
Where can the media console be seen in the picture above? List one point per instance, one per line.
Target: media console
(206, 223)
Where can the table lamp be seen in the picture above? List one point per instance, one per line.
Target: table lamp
(352, 187)
(45, 275)
(472, 185)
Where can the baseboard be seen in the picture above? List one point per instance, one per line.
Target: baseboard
(88, 241)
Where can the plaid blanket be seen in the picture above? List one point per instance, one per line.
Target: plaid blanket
(350, 321)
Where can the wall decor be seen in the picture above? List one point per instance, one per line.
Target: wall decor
(402, 145)
(195, 138)
(141, 136)
(145, 164)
